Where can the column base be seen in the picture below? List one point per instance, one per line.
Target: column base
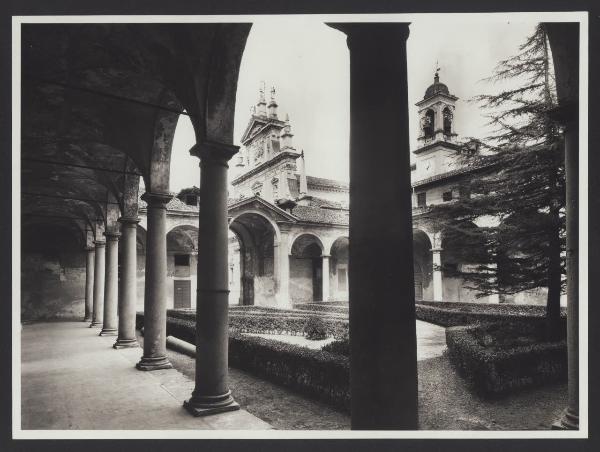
(108, 332)
(207, 405)
(153, 363)
(126, 343)
(96, 324)
(87, 319)
(568, 421)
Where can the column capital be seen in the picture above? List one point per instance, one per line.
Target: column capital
(112, 236)
(128, 220)
(157, 199)
(214, 152)
(90, 248)
(436, 250)
(99, 243)
(325, 256)
(373, 32)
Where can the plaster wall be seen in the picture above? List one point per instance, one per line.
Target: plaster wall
(434, 194)
(301, 283)
(53, 285)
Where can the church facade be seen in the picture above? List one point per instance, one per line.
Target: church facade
(289, 231)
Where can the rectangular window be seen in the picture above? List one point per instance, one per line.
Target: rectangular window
(182, 260)
(421, 199)
(447, 196)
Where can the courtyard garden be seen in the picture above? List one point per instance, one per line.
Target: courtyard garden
(495, 350)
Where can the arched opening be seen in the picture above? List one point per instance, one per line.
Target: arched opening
(423, 265)
(306, 269)
(182, 245)
(339, 269)
(251, 260)
(447, 115)
(428, 123)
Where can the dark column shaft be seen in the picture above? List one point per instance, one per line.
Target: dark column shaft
(98, 311)
(381, 279)
(564, 42)
(89, 284)
(571, 416)
(211, 393)
(128, 292)
(155, 301)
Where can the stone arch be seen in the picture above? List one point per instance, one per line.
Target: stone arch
(182, 246)
(306, 238)
(252, 258)
(423, 265)
(429, 123)
(306, 268)
(338, 268)
(448, 120)
(263, 215)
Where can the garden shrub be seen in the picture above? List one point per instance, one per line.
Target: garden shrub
(315, 329)
(497, 358)
(314, 373)
(339, 347)
(455, 314)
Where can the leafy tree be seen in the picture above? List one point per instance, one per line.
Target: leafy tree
(517, 183)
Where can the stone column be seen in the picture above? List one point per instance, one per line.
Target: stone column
(325, 277)
(211, 394)
(98, 311)
(111, 284)
(155, 299)
(438, 287)
(281, 270)
(564, 42)
(570, 418)
(128, 292)
(89, 283)
(383, 361)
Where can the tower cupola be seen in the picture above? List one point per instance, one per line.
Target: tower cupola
(436, 113)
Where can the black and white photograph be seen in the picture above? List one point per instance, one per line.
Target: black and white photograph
(293, 226)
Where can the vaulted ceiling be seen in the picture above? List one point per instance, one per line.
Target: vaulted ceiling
(99, 107)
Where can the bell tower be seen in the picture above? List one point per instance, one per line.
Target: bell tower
(437, 136)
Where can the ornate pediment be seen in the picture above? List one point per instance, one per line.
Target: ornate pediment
(256, 204)
(255, 125)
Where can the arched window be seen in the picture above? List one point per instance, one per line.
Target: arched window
(428, 123)
(447, 113)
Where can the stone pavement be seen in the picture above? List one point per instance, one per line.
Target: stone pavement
(71, 378)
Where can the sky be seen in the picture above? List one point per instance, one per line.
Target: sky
(308, 64)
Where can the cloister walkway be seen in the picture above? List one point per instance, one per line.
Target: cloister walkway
(73, 379)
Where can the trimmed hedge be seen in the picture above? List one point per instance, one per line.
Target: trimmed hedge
(455, 314)
(314, 373)
(266, 321)
(317, 374)
(327, 306)
(497, 358)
